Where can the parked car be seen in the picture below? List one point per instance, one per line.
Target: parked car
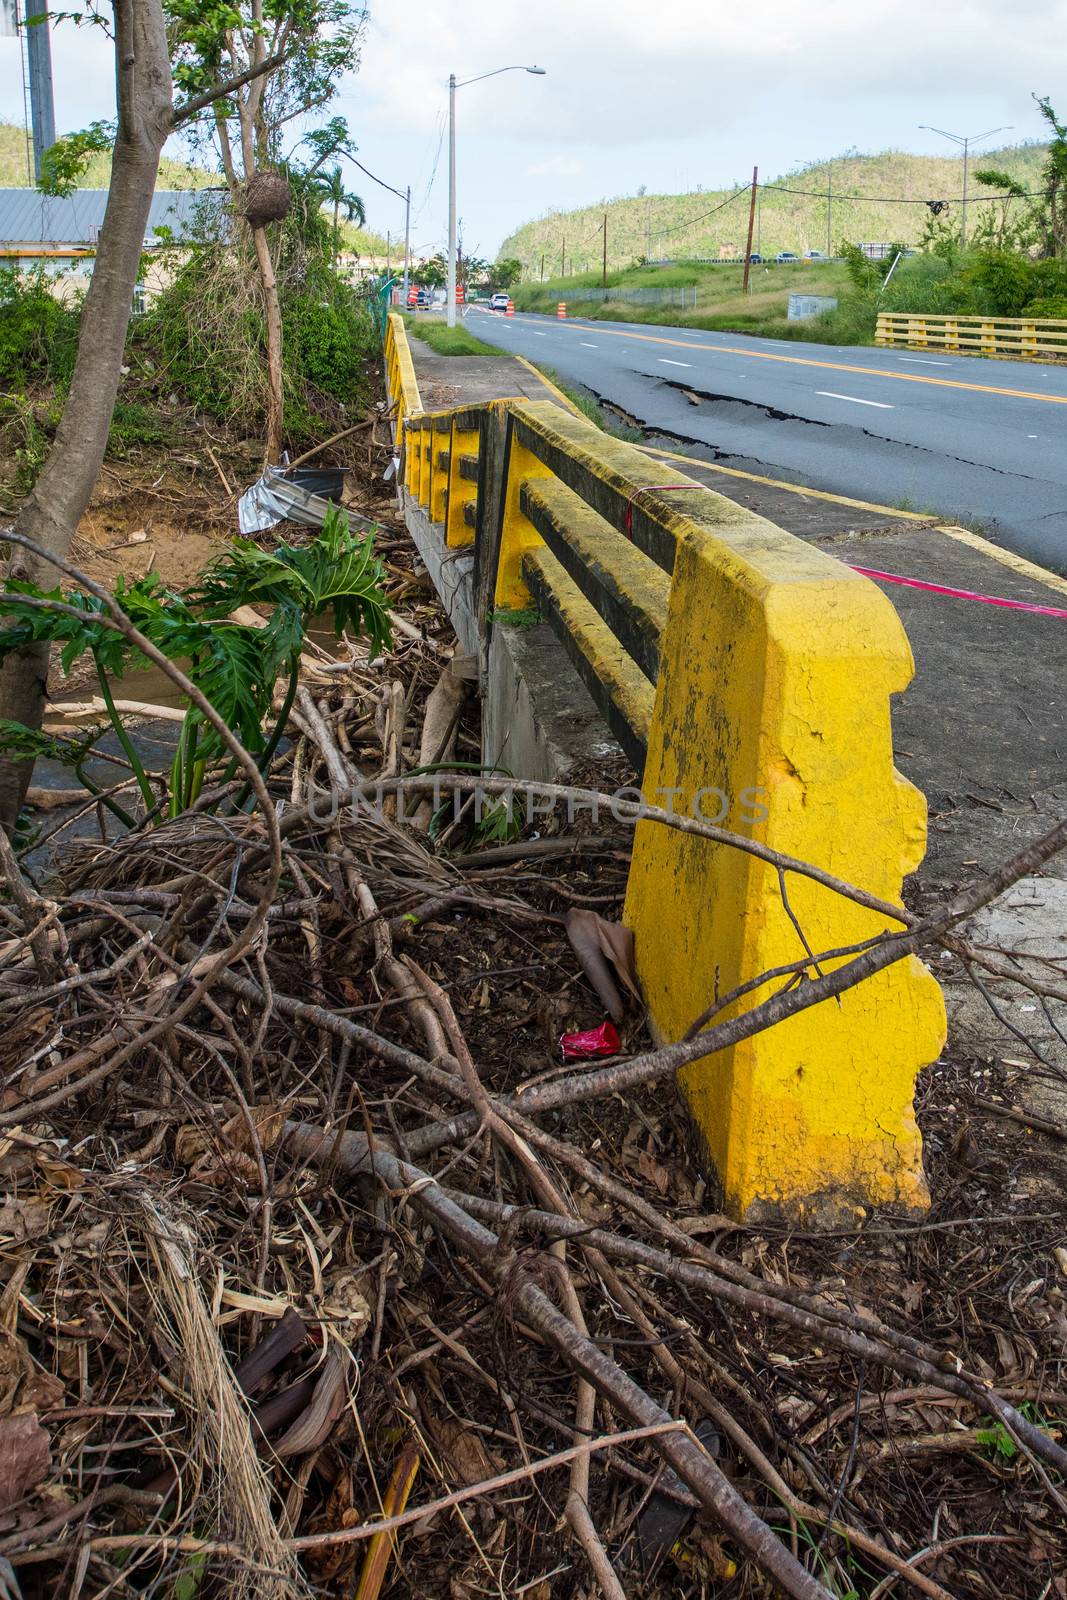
(423, 299)
(498, 301)
(815, 255)
(786, 255)
(756, 259)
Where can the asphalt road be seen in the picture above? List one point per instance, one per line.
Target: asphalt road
(980, 442)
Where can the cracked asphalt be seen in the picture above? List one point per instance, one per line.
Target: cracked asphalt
(977, 441)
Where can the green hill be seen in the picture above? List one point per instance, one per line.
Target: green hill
(873, 199)
(15, 175)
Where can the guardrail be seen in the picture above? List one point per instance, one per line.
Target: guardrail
(747, 675)
(400, 373)
(1028, 338)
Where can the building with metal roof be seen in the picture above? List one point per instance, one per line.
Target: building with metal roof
(36, 227)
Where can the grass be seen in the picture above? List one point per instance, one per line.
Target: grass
(589, 407)
(721, 306)
(446, 341)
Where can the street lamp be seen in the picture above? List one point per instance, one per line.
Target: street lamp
(966, 142)
(452, 87)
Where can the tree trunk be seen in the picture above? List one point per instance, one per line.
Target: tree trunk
(54, 507)
(273, 311)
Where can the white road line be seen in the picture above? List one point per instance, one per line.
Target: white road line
(538, 334)
(666, 363)
(587, 346)
(924, 361)
(882, 405)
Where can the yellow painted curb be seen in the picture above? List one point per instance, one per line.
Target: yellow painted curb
(1007, 558)
(563, 399)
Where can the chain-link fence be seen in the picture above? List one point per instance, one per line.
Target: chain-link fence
(678, 295)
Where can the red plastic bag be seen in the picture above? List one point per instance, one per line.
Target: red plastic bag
(602, 1041)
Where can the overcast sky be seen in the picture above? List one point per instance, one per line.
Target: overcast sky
(667, 93)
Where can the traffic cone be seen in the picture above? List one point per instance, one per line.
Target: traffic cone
(510, 312)
(561, 309)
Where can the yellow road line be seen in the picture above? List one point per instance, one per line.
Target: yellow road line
(809, 361)
(790, 488)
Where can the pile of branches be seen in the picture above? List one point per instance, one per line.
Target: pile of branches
(323, 1275)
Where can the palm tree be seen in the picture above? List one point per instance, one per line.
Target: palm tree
(331, 187)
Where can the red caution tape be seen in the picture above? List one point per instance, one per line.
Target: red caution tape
(602, 1041)
(960, 594)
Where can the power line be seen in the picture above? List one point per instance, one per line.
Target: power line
(883, 199)
(661, 232)
(371, 175)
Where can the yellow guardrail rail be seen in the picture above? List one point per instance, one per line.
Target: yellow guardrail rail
(400, 373)
(748, 677)
(1026, 338)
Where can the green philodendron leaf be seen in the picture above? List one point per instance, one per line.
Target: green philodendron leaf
(335, 570)
(32, 744)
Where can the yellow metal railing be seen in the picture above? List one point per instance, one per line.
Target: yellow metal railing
(748, 676)
(400, 373)
(1025, 338)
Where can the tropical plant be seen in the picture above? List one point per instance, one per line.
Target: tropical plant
(1054, 181)
(235, 665)
(331, 186)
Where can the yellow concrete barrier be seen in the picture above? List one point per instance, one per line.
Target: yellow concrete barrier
(772, 706)
(1023, 338)
(748, 675)
(400, 373)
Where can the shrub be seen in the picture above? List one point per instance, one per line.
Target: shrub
(1051, 306)
(38, 332)
(207, 332)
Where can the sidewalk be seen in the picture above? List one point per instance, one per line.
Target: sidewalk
(982, 729)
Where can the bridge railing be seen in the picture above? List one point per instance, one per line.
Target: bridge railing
(1026, 338)
(747, 675)
(400, 373)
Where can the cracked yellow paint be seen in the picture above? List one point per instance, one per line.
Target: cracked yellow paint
(776, 671)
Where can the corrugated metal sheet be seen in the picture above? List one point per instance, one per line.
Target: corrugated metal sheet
(29, 217)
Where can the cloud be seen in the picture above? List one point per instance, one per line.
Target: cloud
(556, 167)
(618, 72)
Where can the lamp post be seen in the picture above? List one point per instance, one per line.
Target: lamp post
(539, 72)
(965, 141)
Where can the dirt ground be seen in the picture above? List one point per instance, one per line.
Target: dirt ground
(404, 1340)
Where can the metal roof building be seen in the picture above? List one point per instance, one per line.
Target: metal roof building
(33, 224)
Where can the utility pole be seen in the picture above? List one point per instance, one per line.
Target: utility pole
(563, 259)
(542, 266)
(388, 252)
(966, 141)
(42, 104)
(751, 225)
(450, 291)
(604, 278)
(407, 244)
(648, 233)
(829, 205)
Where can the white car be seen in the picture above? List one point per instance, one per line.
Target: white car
(498, 301)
